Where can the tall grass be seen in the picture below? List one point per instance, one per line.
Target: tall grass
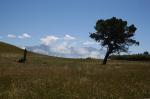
(45, 77)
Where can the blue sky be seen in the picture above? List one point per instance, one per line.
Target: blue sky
(26, 22)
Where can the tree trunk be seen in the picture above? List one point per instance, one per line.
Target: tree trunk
(106, 57)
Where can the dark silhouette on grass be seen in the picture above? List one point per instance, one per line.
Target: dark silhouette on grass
(115, 35)
(24, 58)
(132, 57)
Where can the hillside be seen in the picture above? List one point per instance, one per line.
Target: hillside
(7, 48)
(45, 77)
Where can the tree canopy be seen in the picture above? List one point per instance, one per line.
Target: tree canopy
(115, 35)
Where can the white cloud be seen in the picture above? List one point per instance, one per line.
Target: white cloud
(88, 43)
(95, 54)
(66, 47)
(40, 51)
(61, 48)
(24, 36)
(82, 51)
(69, 37)
(11, 36)
(49, 39)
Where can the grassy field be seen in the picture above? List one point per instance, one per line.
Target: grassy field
(44, 77)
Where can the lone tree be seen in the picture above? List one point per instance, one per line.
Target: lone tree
(115, 35)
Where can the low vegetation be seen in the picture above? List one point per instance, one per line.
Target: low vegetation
(133, 57)
(44, 77)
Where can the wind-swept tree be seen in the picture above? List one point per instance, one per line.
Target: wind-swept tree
(115, 35)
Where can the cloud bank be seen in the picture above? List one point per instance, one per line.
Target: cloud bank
(66, 46)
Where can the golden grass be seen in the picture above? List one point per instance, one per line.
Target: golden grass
(44, 77)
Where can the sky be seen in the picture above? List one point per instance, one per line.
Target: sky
(65, 24)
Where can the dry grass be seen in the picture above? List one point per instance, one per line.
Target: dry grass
(56, 78)
(45, 77)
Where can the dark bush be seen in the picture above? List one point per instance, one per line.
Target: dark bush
(133, 57)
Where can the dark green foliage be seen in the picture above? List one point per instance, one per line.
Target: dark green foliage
(134, 57)
(115, 35)
(146, 53)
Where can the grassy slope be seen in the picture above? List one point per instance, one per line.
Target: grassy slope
(44, 77)
(6, 48)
